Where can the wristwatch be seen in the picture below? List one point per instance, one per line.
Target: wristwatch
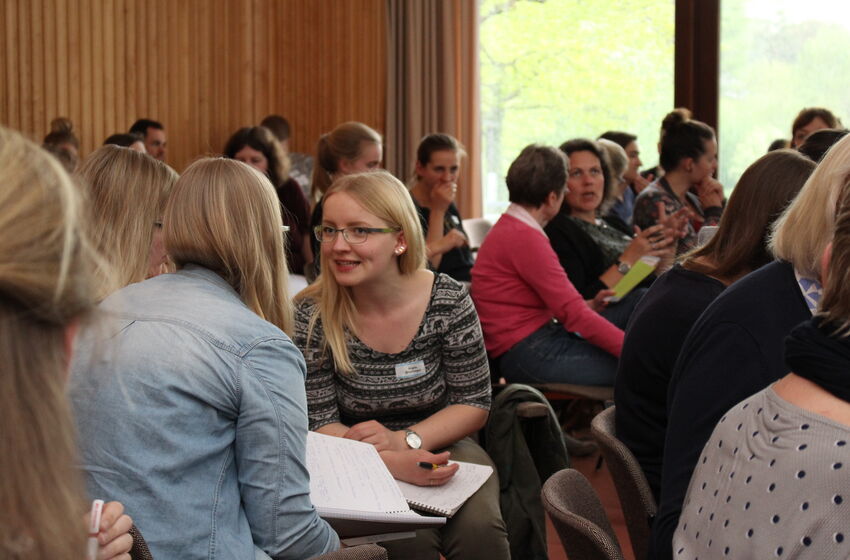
(623, 268)
(412, 439)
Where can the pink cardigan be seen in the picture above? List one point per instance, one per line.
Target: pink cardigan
(518, 285)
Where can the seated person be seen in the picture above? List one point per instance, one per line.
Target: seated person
(395, 357)
(773, 474)
(689, 158)
(258, 147)
(301, 164)
(437, 167)
(624, 204)
(188, 393)
(132, 140)
(735, 347)
(63, 143)
(819, 142)
(351, 147)
(594, 254)
(809, 120)
(613, 209)
(672, 305)
(520, 288)
(47, 274)
(127, 191)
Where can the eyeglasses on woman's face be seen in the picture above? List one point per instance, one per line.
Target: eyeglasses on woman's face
(353, 235)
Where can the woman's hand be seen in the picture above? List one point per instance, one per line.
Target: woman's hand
(114, 537)
(599, 303)
(454, 238)
(677, 222)
(378, 435)
(404, 466)
(443, 195)
(653, 241)
(710, 192)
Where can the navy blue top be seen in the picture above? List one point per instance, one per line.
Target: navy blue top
(735, 349)
(654, 336)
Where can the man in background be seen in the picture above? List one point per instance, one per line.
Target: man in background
(154, 137)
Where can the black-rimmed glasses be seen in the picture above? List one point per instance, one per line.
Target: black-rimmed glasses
(352, 235)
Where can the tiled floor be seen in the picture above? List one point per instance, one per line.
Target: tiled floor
(601, 481)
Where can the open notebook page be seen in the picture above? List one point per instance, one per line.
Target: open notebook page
(448, 498)
(350, 475)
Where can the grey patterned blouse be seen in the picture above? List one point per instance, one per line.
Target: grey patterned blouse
(771, 483)
(444, 364)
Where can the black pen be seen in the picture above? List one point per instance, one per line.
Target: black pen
(429, 466)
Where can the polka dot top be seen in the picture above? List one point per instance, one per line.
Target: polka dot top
(772, 482)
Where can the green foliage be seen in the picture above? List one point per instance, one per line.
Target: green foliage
(771, 66)
(552, 70)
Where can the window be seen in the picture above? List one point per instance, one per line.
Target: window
(777, 57)
(552, 70)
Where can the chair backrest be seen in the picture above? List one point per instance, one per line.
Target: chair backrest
(476, 229)
(579, 518)
(362, 552)
(636, 497)
(139, 550)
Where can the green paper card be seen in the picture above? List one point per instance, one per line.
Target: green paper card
(635, 276)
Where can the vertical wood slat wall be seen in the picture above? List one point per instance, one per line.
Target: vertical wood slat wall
(202, 67)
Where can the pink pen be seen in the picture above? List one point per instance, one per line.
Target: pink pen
(94, 529)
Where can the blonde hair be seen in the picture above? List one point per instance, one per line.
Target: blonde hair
(224, 215)
(383, 195)
(127, 190)
(345, 142)
(46, 267)
(835, 305)
(803, 231)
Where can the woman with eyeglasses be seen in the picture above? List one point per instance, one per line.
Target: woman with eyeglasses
(395, 357)
(594, 253)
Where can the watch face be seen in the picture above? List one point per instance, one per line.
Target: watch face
(413, 440)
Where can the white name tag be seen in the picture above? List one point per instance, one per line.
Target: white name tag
(410, 369)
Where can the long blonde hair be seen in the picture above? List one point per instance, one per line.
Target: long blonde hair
(383, 195)
(345, 142)
(806, 227)
(46, 268)
(224, 215)
(127, 190)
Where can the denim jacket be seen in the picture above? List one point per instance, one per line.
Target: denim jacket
(191, 411)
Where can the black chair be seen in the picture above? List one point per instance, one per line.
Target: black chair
(579, 518)
(635, 495)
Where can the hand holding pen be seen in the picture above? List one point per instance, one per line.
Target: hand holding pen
(407, 466)
(108, 531)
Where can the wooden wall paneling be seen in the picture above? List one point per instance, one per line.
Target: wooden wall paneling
(73, 87)
(185, 115)
(25, 68)
(204, 68)
(117, 69)
(204, 56)
(5, 59)
(62, 76)
(85, 123)
(37, 37)
(101, 48)
(98, 76)
(131, 66)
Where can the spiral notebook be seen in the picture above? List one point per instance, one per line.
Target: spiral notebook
(448, 498)
(354, 492)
